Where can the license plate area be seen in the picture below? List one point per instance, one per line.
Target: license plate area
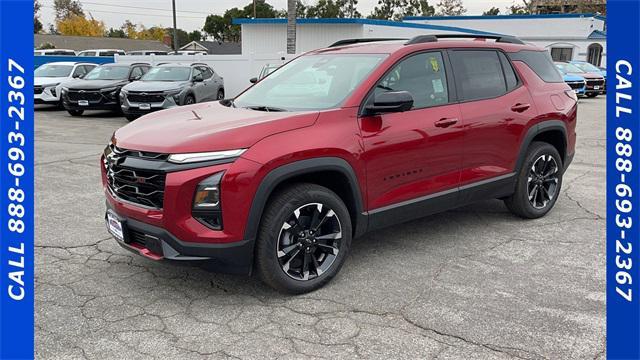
(83, 102)
(115, 226)
(145, 106)
(596, 87)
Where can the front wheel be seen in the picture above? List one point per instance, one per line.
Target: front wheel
(75, 112)
(220, 95)
(538, 183)
(189, 100)
(304, 238)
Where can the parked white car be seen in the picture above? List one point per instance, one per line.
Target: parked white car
(148, 52)
(101, 52)
(48, 79)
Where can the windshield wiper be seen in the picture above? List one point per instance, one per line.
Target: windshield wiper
(265, 108)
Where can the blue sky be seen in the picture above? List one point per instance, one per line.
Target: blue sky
(114, 12)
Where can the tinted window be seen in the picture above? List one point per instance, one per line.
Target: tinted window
(509, 73)
(80, 70)
(108, 73)
(168, 74)
(137, 72)
(478, 74)
(206, 72)
(87, 53)
(196, 72)
(540, 62)
(422, 75)
(561, 54)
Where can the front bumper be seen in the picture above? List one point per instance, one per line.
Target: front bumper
(94, 102)
(157, 243)
(141, 108)
(46, 95)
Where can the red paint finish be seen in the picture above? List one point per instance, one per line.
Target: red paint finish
(395, 157)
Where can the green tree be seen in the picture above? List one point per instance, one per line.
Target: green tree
(522, 8)
(326, 9)
(451, 8)
(195, 35)
(221, 28)
(116, 33)
(493, 11)
(398, 9)
(65, 9)
(216, 27)
(37, 25)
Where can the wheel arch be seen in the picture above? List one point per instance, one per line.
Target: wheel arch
(553, 132)
(331, 172)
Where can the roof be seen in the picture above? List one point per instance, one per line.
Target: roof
(80, 43)
(597, 34)
(215, 47)
(505, 17)
(70, 63)
(242, 21)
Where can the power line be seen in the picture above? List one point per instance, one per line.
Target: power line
(139, 7)
(129, 13)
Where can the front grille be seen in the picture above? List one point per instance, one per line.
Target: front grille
(146, 97)
(38, 89)
(576, 85)
(140, 186)
(592, 83)
(90, 95)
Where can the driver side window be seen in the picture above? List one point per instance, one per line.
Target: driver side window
(422, 75)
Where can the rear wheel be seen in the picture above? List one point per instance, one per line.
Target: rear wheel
(220, 95)
(189, 100)
(539, 181)
(75, 112)
(304, 238)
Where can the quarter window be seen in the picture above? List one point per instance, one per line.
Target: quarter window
(422, 75)
(478, 74)
(509, 73)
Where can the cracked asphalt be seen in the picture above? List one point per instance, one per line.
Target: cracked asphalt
(473, 283)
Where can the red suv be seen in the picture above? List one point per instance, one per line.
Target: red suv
(336, 143)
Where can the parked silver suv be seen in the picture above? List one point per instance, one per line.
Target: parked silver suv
(169, 85)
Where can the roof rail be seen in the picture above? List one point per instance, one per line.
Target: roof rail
(433, 38)
(361, 40)
(140, 63)
(199, 63)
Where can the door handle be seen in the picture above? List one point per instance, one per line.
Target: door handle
(520, 107)
(445, 122)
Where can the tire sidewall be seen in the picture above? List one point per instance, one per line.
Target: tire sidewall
(268, 263)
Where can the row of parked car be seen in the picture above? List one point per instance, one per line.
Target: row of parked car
(134, 89)
(584, 78)
(112, 52)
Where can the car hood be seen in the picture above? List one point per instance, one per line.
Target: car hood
(94, 84)
(38, 80)
(588, 75)
(206, 127)
(570, 77)
(155, 85)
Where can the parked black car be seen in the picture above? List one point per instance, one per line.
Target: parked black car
(100, 88)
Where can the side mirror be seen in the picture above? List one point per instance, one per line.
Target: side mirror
(253, 80)
(391, 101)
(198, 78)
(78, 76)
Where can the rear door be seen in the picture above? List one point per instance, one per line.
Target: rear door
(210, 86)
(495, 110)
(414, 154)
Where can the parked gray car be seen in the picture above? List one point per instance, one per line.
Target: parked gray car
(169, 85)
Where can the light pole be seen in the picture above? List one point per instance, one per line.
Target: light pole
(291, 26)
(175, 29)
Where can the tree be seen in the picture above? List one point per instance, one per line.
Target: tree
(263, 10)
(37, 25)
(450, 8)
(493, 11)
(195, 35)
(116, 33)
(216, 27)
(67, 8)
(398, 9)
(523, 8)
(129, 29)
(81, 26)
(221, 28)
(326, 9)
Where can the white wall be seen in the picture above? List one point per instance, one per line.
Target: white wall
(580, 47)
(235, 69)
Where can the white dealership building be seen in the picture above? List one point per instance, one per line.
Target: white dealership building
(566, 36)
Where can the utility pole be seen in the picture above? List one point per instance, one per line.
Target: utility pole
(291, 26)
(175, 29)
(254, 9)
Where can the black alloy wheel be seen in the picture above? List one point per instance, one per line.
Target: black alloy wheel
(189, 100)
(309, 241)
(542, 183)
(220, 95)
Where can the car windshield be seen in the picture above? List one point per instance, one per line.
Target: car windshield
(312, 82)
(108, 73)
(51, 70)
(587, 67)
(566, 68)
(167, 74)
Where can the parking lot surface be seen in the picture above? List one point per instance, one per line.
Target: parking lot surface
(473, 283)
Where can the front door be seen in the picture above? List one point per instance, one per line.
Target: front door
(414, 156)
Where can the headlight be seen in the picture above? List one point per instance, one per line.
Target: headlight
(205, 156)
(206, 202)
(50, 85)
(173, 92)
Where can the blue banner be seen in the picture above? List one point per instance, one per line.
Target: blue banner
(16, 179)
(623, 181)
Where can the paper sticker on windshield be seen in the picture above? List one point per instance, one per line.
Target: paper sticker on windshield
(437, 86)
(434, 64)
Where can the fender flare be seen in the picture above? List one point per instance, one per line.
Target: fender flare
(276, 176)
(539, 128)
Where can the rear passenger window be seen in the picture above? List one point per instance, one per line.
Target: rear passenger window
(540, 62)
(422, 75)
(478, 74)
(509, 73)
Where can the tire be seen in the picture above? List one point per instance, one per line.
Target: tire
(592, 95)
(189, 100)
(130, 117)
(549, 186)
(220, 95)
(281, 250)
(75, 112)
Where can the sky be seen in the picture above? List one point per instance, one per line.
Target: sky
(192, 13)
